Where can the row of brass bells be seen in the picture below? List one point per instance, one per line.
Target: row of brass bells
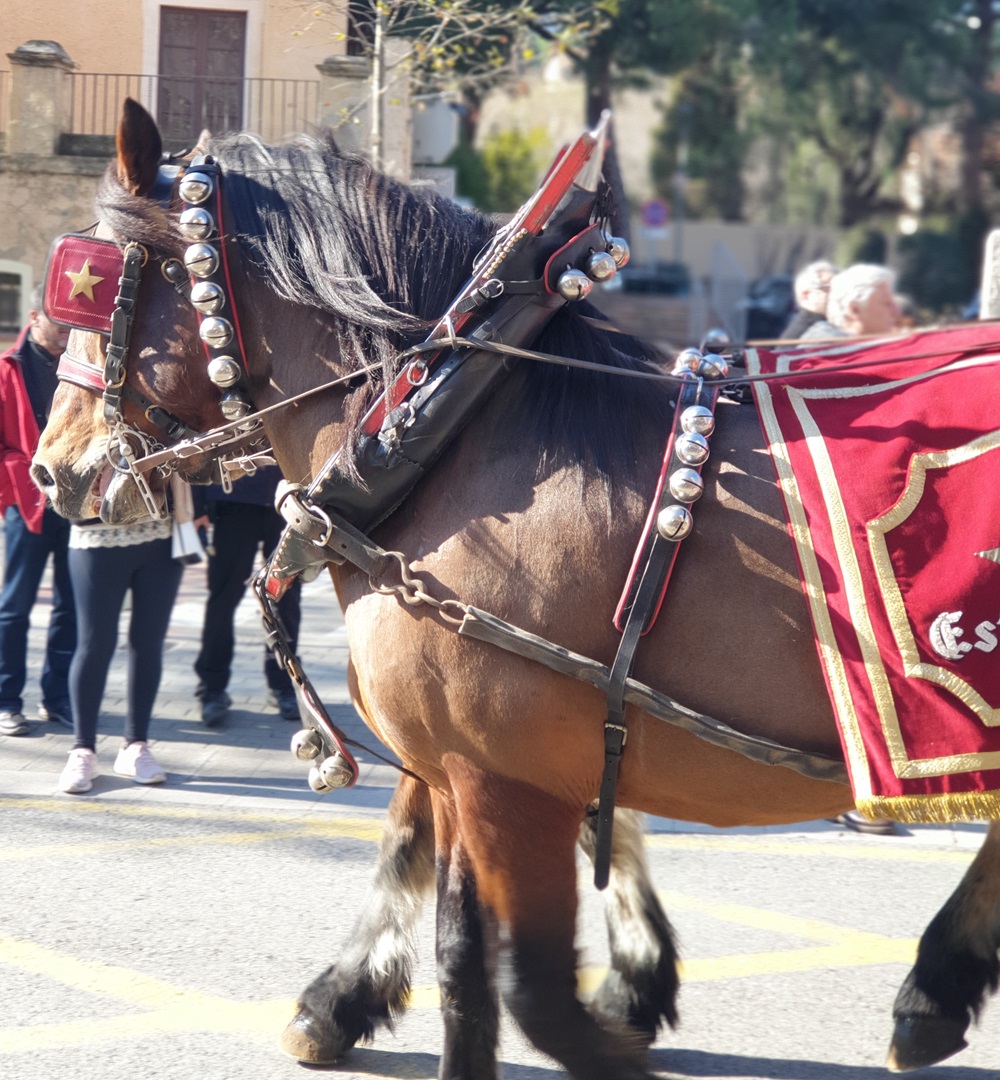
(574, 284)
(202, 261)
(685, 484)
(704, 365)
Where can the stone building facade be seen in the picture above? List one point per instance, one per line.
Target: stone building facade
(62, 89)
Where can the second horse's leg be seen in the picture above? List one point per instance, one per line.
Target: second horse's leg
(368, 986)
(641, 987)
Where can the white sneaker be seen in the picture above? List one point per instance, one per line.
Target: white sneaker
(79, 772)
(136, 761)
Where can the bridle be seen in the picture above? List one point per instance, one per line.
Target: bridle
(204, 277)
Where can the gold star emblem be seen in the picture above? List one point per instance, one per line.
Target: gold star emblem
(83, 281)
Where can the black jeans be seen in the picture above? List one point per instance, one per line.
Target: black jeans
(101, 578)
(239, 530)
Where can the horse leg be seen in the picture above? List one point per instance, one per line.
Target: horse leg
(521, 841)
(956, 967)
(466, 950)
(368, 986)
(641, 987)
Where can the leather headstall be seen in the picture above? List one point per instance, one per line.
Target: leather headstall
(92, 285)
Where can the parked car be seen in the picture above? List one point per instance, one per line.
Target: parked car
(769, 305)
(665, 279)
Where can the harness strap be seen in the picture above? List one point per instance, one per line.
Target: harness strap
(121, 326)
(655, 555)
(73, 370)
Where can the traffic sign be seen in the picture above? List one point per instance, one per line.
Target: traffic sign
(655, 213)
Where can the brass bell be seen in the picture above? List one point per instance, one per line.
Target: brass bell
(316, 781)
(195, 187)
(699, 419)
(686, 485)
(574, 285)
(306, 744)
(234, 406)
(600, 266)
(216, 332)
(335, 771)
(196, 223)
(208, 297)
(201, 260)
(690, 448)
(713, 366)
(686, 360)
(224, 371)
(618, 249)
(715, 340)
(674, 522)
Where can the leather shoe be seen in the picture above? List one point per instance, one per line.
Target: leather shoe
(286, 703)
(857, 822)
(214, 707)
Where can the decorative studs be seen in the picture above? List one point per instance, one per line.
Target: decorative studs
(674, 522)
(207, 297)
(574, 285)
(686, 485)
(202, 260)
(195, 188)
(224, 371)
(196, 223)
(234, 406)
(713, 366)
(600, 266)
(216, 332)
(618, 249)
(690, 448)
(698, 419)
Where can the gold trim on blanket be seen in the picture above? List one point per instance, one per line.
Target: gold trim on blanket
(913, 667)
(903, 766)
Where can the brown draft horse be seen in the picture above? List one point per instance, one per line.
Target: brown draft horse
(532, 514)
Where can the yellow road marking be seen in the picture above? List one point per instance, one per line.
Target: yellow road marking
(885, 851)
(170, 1009)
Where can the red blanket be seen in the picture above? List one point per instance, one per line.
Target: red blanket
(891, 478)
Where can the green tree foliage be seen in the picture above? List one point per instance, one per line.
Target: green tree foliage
(504, 172)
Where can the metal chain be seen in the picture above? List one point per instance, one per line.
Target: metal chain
(411, 591)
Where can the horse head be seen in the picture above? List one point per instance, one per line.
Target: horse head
(80, 462)
(319, 258)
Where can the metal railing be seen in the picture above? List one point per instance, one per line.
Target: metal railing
(272, 108)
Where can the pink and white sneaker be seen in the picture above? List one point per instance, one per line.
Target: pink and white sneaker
(79, 772)
(137, 762)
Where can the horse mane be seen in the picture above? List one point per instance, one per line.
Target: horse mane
(326, 230)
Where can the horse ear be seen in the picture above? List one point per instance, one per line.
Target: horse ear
(139, 148)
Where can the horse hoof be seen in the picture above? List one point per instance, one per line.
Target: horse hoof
(306, 1040)
(918, 1041)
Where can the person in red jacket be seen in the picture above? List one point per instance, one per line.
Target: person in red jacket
(32, 530)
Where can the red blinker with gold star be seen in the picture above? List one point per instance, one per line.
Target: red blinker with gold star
(81, 281)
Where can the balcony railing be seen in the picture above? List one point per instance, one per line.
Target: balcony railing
(184, 107)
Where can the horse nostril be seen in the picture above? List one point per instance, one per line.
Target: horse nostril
(42, 477)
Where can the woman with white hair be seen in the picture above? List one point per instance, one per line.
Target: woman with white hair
(812, 290)
(861, 302)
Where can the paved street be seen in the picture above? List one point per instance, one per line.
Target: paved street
(165, 932)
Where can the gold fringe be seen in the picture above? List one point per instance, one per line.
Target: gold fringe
(933, 809)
